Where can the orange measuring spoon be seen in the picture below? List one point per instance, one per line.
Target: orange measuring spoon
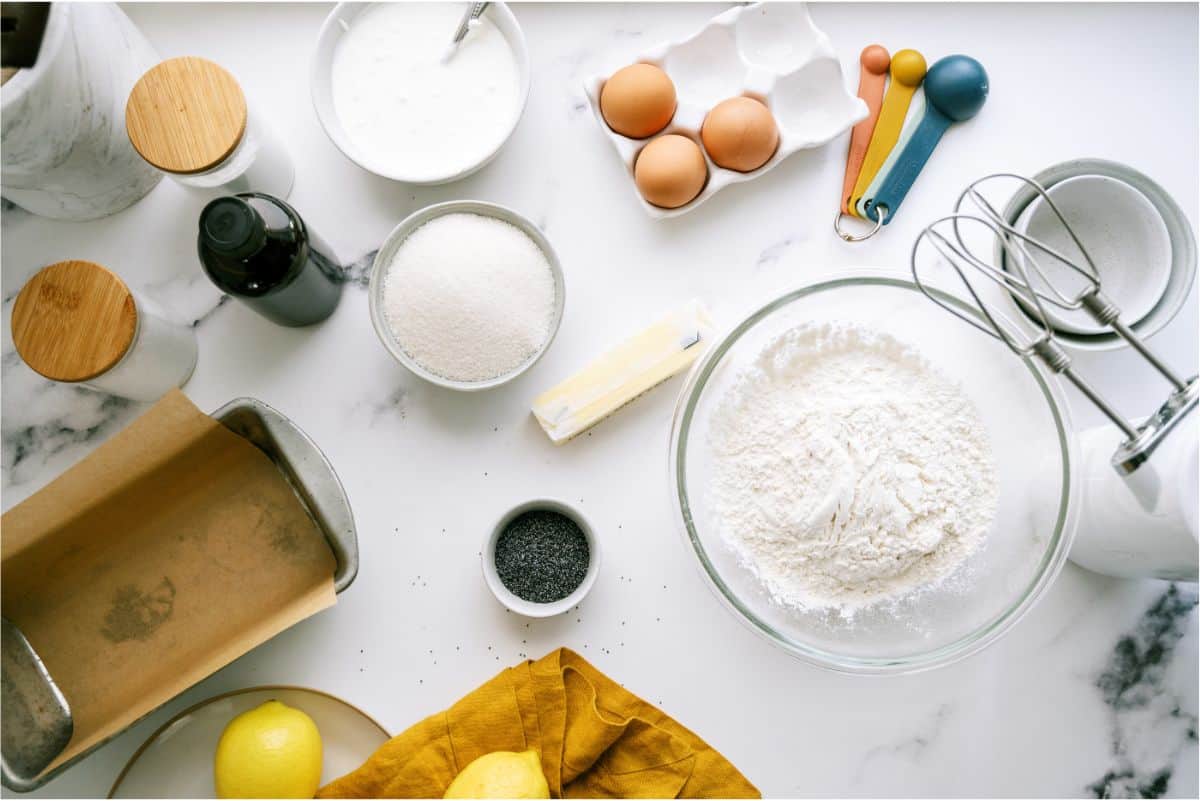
(874, 62)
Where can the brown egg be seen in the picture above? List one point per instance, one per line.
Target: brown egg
(740, 134)
(638, 101)
(670, 171)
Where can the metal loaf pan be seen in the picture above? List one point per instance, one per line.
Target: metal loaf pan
(308, 472)
(315, 483)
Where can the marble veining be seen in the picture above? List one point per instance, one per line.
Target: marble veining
(1148, 726)
(10, 213)
(772, 254)
(81, 420)
(394, 403)
(912, 747)
(358, 272)
(206, 315)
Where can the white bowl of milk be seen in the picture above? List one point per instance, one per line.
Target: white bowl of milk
(399, 102)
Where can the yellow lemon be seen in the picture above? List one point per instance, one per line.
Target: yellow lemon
(501, 774)
(271, 751)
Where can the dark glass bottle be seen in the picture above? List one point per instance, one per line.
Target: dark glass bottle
(256, 248)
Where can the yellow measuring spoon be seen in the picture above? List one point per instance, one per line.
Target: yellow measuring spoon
(916, 112)
(907, 71)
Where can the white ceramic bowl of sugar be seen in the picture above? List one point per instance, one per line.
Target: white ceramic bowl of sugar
(387, 252)
(337, 25)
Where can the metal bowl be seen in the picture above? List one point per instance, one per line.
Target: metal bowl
(396, 238)
(1024, 414)
(1179, 231)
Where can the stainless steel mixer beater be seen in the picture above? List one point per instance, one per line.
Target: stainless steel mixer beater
(1022, 274)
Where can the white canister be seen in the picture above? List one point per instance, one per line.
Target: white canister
(65, 152)
(1143, 525)
(189, 118)
(79, 323)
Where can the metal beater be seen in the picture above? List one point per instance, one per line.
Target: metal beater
(1022, 274)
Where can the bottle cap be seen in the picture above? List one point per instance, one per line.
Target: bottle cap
(231, 227)
(73, 321)
(186, 115)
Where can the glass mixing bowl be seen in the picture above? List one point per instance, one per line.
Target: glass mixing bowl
(1025, 415)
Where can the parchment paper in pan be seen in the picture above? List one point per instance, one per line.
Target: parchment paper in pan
(171, 550)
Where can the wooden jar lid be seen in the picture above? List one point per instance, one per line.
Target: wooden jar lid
(73, 321)
(186, 115)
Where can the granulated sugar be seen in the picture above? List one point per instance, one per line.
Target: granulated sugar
(469, 297)
(848, 471)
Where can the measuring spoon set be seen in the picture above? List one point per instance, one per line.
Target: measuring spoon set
(889, 148)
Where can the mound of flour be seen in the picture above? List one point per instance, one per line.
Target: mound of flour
(848, 471)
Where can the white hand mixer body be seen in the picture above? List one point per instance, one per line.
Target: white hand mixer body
(1142, 524)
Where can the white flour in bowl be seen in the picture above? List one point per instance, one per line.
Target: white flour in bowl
(848, 471)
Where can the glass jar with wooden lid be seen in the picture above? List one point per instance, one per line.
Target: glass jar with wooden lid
(77, 322)
(189, 117)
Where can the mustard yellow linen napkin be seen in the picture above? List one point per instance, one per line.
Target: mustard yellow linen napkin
(596, 740)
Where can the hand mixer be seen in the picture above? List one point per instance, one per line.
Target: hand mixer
(1150, 529)
(1023, 275)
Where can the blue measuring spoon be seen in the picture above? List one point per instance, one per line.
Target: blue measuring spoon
(916, 111)
(955, 89)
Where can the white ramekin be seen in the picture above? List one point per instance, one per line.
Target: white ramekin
(528, 608)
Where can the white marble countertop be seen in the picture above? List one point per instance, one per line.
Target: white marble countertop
(1095, 692)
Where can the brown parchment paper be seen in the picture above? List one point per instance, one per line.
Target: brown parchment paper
(173, 549)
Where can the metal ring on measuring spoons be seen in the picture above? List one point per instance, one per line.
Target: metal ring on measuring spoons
(881, 214)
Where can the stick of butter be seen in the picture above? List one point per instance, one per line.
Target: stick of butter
(637, 365)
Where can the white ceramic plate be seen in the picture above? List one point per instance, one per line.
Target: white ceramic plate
(177, 760)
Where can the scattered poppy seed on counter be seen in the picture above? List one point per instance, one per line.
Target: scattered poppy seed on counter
(542, 556)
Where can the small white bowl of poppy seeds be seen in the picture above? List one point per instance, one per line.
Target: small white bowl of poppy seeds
(541, 558)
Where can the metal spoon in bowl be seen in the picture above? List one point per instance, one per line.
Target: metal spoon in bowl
(474, 11)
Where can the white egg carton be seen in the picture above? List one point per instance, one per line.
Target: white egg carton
(769, 51)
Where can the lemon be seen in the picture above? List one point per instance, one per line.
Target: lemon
(271, 751)
(501, 774)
